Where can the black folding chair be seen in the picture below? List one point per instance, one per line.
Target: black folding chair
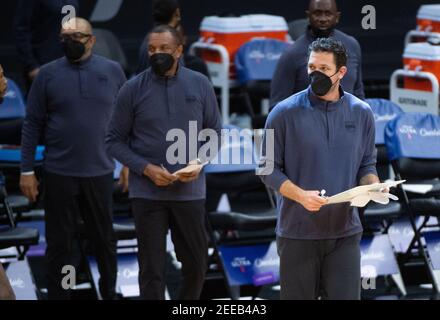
(377, 217)
(10, 234)
(413, 143)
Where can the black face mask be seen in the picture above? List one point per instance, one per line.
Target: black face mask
(73, 50)
(321, 83)
(161, 63)
(322, 33)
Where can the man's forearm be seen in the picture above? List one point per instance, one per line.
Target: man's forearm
(291, 191)
(369, 179)
(123, 153)
(31, 133)
(6, 292)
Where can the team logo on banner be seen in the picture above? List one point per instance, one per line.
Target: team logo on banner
(408, 130)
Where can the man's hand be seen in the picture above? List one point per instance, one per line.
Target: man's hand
(3, 83)
(312, 201)
(33, 73)
(29, 187)
(160, 176)
(123, 179)
(372, 179)
(190, 176)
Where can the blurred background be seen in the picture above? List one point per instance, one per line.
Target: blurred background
(130, 20)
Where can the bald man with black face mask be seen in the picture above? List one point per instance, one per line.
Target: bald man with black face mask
(164, 98)
(70, 102)
(291, 76)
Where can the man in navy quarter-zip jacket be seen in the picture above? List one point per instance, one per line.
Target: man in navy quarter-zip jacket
(71, 101)
(165, 97)
(323, 139)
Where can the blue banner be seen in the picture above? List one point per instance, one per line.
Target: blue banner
(432, 239)
(257, 59)
(13, 106)
(377, 257)
(237, 153)
(384, 111)
(251, 265)
(127, 277)
(20, 276)
(413, 135)
(401, 234)
(12, 154)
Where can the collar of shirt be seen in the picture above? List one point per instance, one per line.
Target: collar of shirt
(316, 102)
(311, 37)
(80, 64)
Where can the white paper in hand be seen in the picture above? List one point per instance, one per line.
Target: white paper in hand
(376, 196)
(192, 167)
(360, 196)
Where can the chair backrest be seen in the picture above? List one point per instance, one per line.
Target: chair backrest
(237, 153)
(108, 46)
(413, 144)
(12, 155)
(4, 205)
(258, 58)
(13, 106)
(384, 111)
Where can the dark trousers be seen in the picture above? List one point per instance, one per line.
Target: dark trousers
(67, 199)
(326, 269)
(186, 220)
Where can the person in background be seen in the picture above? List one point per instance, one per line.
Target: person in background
(291, 76)
(36, 26)
(165, 12)
(3, 84)
(191, 61)
(71, 101)
(6, 292)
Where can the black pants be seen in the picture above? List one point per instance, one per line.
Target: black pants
(186, 220)
(67, 199)
(326, 269)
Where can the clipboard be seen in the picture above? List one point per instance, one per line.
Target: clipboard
(349, 195)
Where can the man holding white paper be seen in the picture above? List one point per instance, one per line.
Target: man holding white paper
(166, 98)
(323, 139)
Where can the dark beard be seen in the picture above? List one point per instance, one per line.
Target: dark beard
(319, 33)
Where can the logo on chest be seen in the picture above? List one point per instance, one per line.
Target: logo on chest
(350, 125)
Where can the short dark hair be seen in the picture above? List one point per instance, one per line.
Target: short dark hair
(333, 46)
(162, 28)
(163, 10)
